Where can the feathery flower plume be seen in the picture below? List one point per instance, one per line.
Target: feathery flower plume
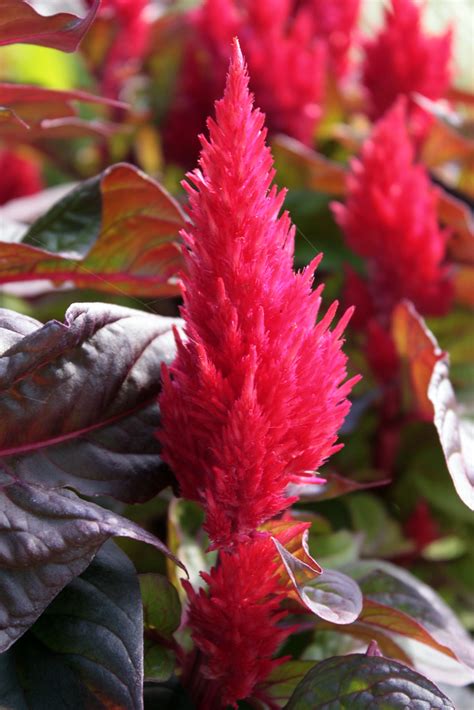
(235, 623)
(256, 394)
(286, 64)
(19, 176)
(335, 24)
(132, 28)
(390, 219)
(402, 59)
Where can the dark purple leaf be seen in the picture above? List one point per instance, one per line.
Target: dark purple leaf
(46, 539)
(86, 650)
(78, 400)
(363, 682)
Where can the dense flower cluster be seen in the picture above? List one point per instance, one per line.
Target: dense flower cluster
(334, 23)
(390, 219)
(235, 621)
(256, 395)
(129, 44)
(403, 60)
(245, 408)
(286, 65)
(19, 176)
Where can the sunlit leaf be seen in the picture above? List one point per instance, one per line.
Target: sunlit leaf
(78, 405)
(20, 22)
(457, 215)
(115, 233)
(329, 594)
(334, 486)
(456, 433)
(28, 113)
(418, 351)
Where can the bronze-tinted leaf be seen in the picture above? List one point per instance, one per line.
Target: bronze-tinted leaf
(20, 22)
(115, 233)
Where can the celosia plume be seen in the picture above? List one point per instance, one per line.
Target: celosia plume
(286, 64)
(390, 219)
(335, 23)
(130, 43)
(256, 394)
(402, 60)
(19, 176)
(235, 622)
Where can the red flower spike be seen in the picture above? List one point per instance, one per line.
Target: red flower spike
(390, 218)
(256, 395)
(133, 28)
(335, 24)
(286, 63)
(19, 176)
(235, 623)
(402, 60)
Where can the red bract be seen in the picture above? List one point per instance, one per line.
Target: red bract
(402, 60)
(334, 24)
(256, 395)
(130, 43)
(235, 623)
(390, 218)
(285, 60)
(421, 527)
(19, 176)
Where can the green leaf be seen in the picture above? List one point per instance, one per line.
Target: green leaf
(360, 682)
(382, 534)
(86, 649)
(161, 605)
(335, 549)
(187, 539)
(283, 679)
(161, 617)
(159, 662)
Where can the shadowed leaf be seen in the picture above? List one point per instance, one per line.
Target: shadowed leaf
(48, 537)
(362, 682)
(162, 616)
(86, 649)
